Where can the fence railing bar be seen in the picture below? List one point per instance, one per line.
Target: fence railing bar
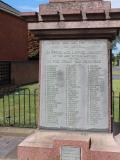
(119, 107)
(29, 108)
(14, 107)
(4, 110)
(35, 96)
(9, 115)
(113, 107)
(24, 107)
(19, 105)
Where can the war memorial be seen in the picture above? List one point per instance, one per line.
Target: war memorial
(75, 114)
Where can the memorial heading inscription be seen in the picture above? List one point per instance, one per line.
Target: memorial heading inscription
(74, 84)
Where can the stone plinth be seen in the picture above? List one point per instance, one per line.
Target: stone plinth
(47, 145)
(50, 145)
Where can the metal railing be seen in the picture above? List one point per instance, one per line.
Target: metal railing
(18, 108)
(116, 107)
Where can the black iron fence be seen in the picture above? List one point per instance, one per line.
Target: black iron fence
(116, 112)
(18, 108)
(116, 106)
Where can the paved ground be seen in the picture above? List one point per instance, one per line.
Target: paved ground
(116, 68)
(116, 77)
(9, 139)
(8, 146)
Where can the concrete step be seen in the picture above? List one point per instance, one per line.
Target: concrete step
(104, 142)
(117, 139)
(48, 144)
(104, 147)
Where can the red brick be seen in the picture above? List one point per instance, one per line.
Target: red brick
(13, 37)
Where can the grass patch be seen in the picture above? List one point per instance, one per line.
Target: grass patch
(32, 87)
(116, 89)
(116, 72)
(116, 86)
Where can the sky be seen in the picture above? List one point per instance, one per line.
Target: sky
(32, 5)
(25, 5)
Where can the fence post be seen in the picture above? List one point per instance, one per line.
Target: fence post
(14, 106)
(24, 108)
(38, 109)
(119, 107)
(113, 105)
(35, 103)
(4, 110)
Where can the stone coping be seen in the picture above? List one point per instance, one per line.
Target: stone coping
(46, 138)
(16, 131)
(105, 143)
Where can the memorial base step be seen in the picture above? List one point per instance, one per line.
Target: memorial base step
(104, 147)
(56, 145)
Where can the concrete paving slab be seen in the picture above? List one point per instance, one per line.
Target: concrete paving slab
(8, 146)
(9, 139)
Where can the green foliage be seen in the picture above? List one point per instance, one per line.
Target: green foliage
(33, 56)
(118, 56)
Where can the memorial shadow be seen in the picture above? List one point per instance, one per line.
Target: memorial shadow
(116, 128)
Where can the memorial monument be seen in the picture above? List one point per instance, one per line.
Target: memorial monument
(75, 83)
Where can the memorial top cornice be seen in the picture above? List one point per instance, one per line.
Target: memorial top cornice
(75, 19)
(55, 5)
(79, 10)
(67, 7)
(58, 1)
(72, 0)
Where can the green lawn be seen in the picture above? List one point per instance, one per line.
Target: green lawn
(116, 86)
(116, 89)
(32, 87)
(116, 73)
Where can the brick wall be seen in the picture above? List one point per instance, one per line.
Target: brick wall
(13, 38)
(24, 72)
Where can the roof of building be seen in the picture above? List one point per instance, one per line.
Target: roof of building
(30, 16)
(9, 9)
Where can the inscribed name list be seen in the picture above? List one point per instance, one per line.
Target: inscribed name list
(74, 84)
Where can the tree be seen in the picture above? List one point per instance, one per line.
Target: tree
(113, 57)
(118, 56)
(115, 42)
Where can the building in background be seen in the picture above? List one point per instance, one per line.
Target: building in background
(16, 45)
